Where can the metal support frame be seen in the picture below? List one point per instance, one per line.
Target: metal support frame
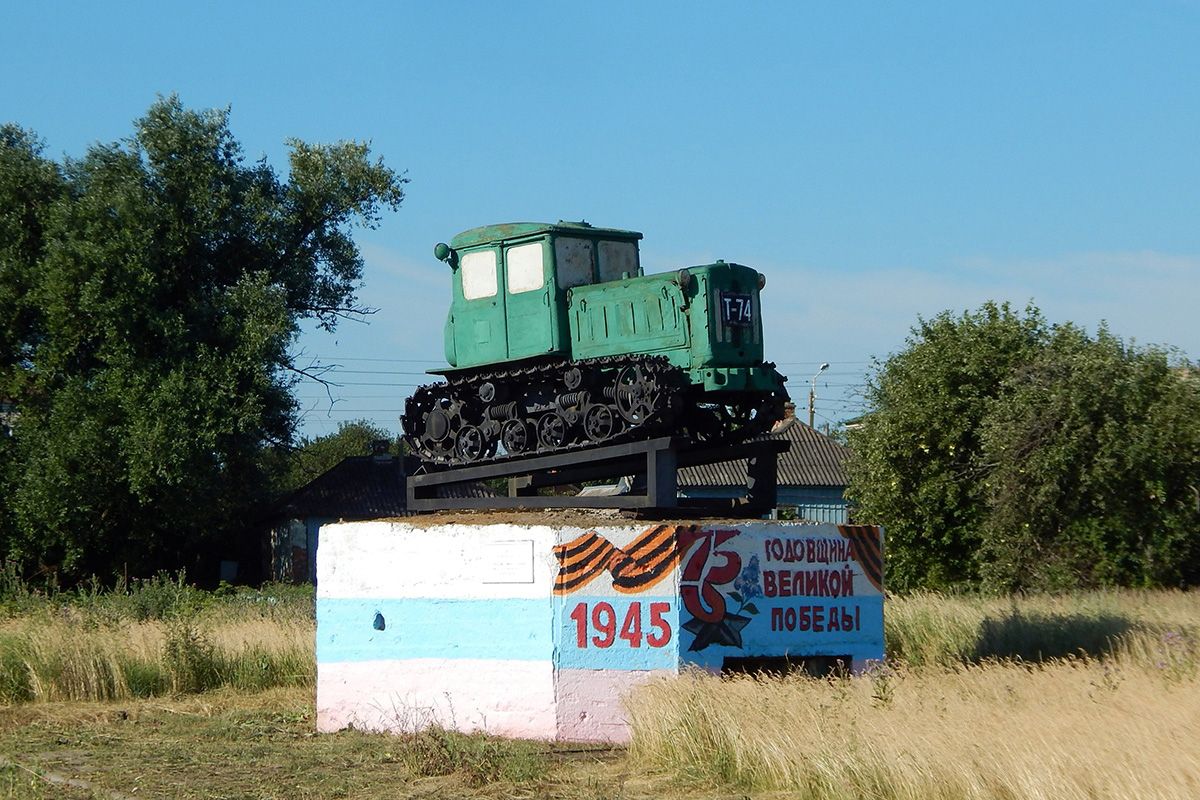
(654, 463)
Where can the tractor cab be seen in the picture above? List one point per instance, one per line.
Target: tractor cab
(510, 283)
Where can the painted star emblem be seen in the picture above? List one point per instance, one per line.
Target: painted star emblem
(727, 631)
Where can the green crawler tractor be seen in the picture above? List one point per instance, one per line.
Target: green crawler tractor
(556, 340)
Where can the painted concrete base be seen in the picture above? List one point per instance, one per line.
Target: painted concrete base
(539, 631)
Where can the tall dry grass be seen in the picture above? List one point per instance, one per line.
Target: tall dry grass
(963, 719)
(161, 638)
(934, 629)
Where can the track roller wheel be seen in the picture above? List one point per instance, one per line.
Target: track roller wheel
(599, 423)
(470, 444)
(515, 437)
(552, 431)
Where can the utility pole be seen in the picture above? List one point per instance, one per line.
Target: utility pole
(812, 396)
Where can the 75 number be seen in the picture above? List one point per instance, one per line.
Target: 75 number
(603, 619)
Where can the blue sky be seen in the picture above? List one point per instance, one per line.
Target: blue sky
(876, 161)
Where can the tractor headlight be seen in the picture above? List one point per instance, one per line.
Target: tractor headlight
(442, 252)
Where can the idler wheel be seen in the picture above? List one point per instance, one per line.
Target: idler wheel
(515, 436)
(552, 431)
(470, 443)
(599, 423)
(437, 425)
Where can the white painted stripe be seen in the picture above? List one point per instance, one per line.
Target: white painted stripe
(393, 559)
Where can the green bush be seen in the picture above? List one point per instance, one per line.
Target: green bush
(190, 659)
(145, 678)
(14, 673)
(478, 757)
(256, 668)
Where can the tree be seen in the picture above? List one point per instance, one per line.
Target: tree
(917, 458)
(1007, 453)
(1096, 454)
(160, 284)
(29, 185)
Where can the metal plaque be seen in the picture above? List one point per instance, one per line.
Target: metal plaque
(736, 309)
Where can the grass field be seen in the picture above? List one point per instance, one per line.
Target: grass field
(1090, 696)
(1093, 696)
(157, 637)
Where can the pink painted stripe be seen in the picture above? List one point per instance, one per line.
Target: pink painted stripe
(591, 702)
(507, 698)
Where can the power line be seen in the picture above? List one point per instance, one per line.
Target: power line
(326, 372)
(382, 360)
(357, 383)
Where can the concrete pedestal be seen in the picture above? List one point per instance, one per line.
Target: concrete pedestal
(538, 630)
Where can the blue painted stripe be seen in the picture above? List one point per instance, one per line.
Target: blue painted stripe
(519, 629)
(578, 631)
(624, 632)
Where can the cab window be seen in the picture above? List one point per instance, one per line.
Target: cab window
(524, 268)
(617, 258)
(573, 259)
(478, 274)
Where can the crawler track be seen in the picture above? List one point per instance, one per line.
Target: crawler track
(484, 416)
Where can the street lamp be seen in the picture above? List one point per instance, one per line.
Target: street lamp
(812, 395)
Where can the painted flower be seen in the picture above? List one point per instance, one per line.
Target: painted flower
(749, 583)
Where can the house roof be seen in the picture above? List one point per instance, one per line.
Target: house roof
(813, 460)
(357, 487)
(362, 487)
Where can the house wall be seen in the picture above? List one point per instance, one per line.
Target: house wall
(812, 503)
(288, 549)
(815, 503)
(293, 550)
